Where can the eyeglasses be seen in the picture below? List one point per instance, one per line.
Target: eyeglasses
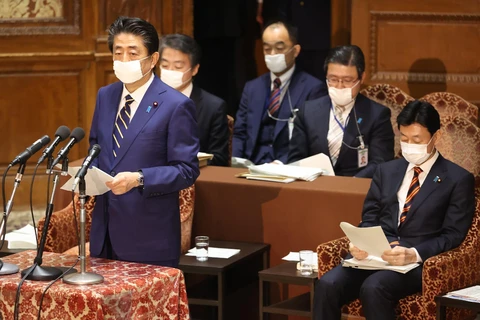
(346, 83)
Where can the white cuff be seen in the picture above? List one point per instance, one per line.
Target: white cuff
(419, 259)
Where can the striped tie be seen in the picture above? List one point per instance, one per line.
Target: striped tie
(121, 124)
(412, 192)
(335, 135)
(275, 97)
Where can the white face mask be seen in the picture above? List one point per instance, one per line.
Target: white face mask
(129, 71)
(341, 97)
(276, 62)
(173, 78)
(415, 153)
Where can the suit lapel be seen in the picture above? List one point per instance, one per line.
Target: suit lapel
(350, 137)
(111, 117)
(258, 106)
(397, 179)
(293, 93)
(428, 186)
(196, 97)
(145, 111)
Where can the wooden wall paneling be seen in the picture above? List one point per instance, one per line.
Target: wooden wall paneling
(341, 22)
(420, 46)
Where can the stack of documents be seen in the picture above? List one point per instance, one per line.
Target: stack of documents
(23, 238)
(293, 172)
(373, 241)
(213, 252)
(468, 294)
(203, 158)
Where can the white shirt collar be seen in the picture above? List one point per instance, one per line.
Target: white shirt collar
(284, 78)
(188, 90)
(427, 165)
(138, 94)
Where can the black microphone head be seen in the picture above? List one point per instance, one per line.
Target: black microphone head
(63, 132)
(78, 133)
(96, 149)
(45, 140)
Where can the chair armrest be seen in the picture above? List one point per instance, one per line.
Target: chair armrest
(451, 270)
(330, 254)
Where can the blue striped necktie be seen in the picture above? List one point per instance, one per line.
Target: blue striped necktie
(121, 124)
(274, 104)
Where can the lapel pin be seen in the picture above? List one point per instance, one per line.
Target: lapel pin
(437, 179)
(155, 104)
(359, 120)
(149, 108)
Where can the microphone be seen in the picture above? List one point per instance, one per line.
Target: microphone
(94, 152)
(61, 134)
(76, 136)
(35, 147)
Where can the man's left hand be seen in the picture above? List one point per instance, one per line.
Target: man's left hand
(399, 256)
(123, 182)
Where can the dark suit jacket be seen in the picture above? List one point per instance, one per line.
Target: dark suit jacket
(311, 130)
(212, 125)
(441, 212)
(144, 224)
(253, 108)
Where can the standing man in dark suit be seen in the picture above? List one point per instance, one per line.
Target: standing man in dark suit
(179, 63)
(424, 205)
(148, 136)
(268, 106)
(345, 125)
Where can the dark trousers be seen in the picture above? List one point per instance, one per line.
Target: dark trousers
(109, 253)
(379, 291)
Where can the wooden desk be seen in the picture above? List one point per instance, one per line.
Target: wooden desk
(218, 268)
(287, 273)
(290, 217)
(444, 301)
(130, 291)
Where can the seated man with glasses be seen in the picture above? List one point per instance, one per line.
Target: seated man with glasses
(354, 131)
(268, 105)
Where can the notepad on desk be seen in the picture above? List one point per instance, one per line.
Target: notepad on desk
(294, 172)
(468, 294)
(213, 252)
(373, 241)
(263, 177)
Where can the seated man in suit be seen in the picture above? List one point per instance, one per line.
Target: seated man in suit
(179, 63)
(268, 105)
(345, 125)
(424, 204)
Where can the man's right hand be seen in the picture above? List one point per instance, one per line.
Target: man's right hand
(357, 253)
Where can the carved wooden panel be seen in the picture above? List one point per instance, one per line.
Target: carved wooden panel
(420, 46)
(35, 17)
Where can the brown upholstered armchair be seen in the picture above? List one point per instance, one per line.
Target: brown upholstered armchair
(393, 98)
(230, 138)
(62, 236)
(445, 272)
(452, 270)
(448, 103)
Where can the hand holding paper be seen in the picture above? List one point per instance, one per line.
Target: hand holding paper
(95, 180)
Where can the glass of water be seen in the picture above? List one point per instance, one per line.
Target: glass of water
(201, 248)
(306, 257)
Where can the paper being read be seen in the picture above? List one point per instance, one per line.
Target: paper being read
(371, 239)
(319, 160)
(95, 180)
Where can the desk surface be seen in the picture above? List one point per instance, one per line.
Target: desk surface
(290, 217)
(130, 291)
(214, 264)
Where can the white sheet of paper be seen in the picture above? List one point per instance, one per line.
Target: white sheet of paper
(470, 293)
(241, 162)
(205, 155)
(376, 263)
(213, 252)
(95, 180)
(371, 239)
(319, 160)
(23, 238)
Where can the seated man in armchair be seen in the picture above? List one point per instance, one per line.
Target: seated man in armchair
(424, 204)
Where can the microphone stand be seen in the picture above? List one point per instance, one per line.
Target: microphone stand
(36, 272)
(8, 268)
(82, 278)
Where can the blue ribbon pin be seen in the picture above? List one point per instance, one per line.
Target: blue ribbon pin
(149, 108)
(359, 120)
